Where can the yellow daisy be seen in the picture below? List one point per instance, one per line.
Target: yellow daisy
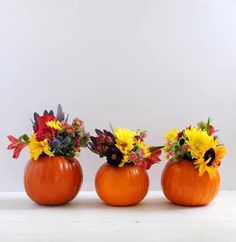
(38, 147)
(144, 147)
(172, 135)
(54, 124)
(124, 140)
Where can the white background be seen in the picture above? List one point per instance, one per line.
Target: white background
(145, 64)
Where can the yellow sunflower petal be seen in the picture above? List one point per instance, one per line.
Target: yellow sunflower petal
(199, 142)
(124, 160)
(202, 169)
(211, 171)
(220, 152)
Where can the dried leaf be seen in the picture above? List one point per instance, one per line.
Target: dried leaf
(98, 132)
(60, 113)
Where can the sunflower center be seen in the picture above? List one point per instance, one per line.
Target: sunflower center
(114, 156)
(181, 141)
(210, 154)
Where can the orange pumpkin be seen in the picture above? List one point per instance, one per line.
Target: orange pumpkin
(52, 180)
(121, 186)
(182, 184)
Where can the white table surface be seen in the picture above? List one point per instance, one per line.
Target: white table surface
(87, 219)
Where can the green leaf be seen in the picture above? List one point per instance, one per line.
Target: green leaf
(208, 125)
(152, 148)
(24, 137)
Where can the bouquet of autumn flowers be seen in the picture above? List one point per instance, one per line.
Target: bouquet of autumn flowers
(123, 146)
(53, 136)
(198, 145)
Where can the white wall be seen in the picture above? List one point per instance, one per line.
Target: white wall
(138, 64)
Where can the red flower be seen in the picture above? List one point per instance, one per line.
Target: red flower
(42, 120)
(68, 128)
(212, 130)
(133, 157)
(42, 130)
(16, 145)
(78, 122)
(152, 159)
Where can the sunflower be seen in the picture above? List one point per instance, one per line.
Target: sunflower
(204, 150)
(203, 166)
(114, 156)
(211, 159)
(220, 152)
(198, 141)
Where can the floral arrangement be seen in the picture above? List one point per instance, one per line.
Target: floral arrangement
(123, 146)
(198, 144)
(53, 136)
